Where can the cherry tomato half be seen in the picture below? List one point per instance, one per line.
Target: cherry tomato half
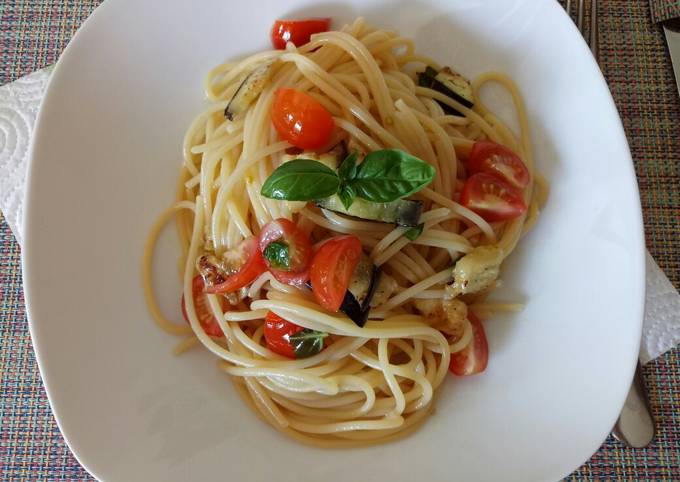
(290, 340)
(332, 269)
(491, 198)
(297, 31)
(202, 307)
(252, 266)
(499, 161)
(277, 332)
(292, 267)
(301, 120)
(475, 356)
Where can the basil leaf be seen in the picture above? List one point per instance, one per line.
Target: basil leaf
(347, 195)
(278, 255)
(391, 174)
(307, 342)
(413, 233)
(301, 180)
(348, 169)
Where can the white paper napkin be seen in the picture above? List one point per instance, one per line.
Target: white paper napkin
(19, 103)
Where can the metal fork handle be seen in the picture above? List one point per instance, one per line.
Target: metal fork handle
(579, 15)
(635, 426)
(594, 41)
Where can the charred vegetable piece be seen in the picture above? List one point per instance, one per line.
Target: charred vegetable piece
(212, 270)
(476, 271)
(402, 211)
(360, 283)
(448, 316)
(426, 77)
(215, 272)
(458, 85)
(384, 289)
(360, 291)
(249, 90)
(351, 307)
(449, 83)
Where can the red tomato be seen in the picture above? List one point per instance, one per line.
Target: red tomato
(491, 198)
(202, 307)
(332, 269)
(277, 332)
(301, 120)
(299, 250)
(288, 278)
(252, 266)
(499, 161)
(475, 356)
(297, 31)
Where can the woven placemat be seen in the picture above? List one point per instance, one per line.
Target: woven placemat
(635, 61)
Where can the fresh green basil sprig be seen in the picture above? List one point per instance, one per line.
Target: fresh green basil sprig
(415, 232)
(278, 255)
(383, 176)
(307, 342)
(301, 180)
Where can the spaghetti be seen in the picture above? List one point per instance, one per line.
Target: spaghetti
(361, 384)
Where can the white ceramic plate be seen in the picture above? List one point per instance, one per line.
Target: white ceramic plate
(105, 160)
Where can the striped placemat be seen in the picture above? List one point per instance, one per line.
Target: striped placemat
(637, 67)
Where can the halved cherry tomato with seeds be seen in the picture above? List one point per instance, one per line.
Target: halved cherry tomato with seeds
(251, 264)
(287, 251)
(332, 268)
(491, 198)
(499, 161)
(297, 31)
(291, 340)
(301, 120)
(475, 356)
(202, 307)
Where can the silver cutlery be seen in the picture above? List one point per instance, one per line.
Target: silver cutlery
(672, 31)
(635, 425)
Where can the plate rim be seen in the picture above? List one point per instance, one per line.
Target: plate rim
(97, 15)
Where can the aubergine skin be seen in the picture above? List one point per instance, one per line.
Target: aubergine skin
(434, 80)
(351, 307)
(249, 90)
(403, 212)
(356, 312)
